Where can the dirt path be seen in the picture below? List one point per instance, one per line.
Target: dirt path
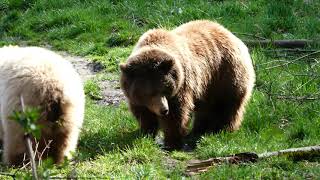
(111, 93)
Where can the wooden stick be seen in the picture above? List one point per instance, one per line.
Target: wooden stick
(292, 152)
(290, 62)
(197, 166)
(289, 50)
(29, 146)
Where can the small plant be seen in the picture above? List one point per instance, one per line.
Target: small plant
(92, 89)
(28, 120)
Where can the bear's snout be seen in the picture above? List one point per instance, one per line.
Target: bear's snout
(159, 105)
(164, 111)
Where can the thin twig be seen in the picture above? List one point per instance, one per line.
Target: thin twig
(308, 75)
(290, 62)
(298, 98)
(274, 61)
(29, 147)
(44, 150)
(251, 35)
(309, 97)
(289, 50)
(304, 84)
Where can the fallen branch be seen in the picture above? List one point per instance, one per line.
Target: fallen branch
(294, 43)
(302, 151)
(197, 166)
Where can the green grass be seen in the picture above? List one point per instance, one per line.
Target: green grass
(92, 89)
(110, 145)
(94, 28)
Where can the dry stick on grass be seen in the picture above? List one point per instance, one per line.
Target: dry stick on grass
(285, 53)
(251, 35)
(301, 151)
(290, 62)
(297, 98)
(289, 50)
(29, 146)
(198, 166)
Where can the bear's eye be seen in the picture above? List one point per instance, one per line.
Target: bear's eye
(167, 89)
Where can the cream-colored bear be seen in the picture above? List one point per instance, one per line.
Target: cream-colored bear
(49, 82)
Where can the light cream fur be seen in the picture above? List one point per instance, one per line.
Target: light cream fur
(40, 76)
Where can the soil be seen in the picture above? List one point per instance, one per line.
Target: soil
(111, 92)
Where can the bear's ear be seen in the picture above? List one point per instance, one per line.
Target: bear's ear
(123, 67)
(165, 66)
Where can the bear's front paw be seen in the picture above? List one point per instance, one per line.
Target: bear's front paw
(173, 145)
(149, 132)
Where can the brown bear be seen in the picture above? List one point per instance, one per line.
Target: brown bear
(198, 67)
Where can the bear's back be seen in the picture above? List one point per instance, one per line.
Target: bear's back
(203, 27)
(23, 67)
(33, 62)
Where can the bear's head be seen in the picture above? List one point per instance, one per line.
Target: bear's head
(150, 78)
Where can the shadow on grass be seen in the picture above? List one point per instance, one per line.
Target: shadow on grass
(94, 144)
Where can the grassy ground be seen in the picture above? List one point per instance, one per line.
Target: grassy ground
(284, 111)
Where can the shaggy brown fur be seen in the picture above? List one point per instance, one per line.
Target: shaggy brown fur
(200, 66)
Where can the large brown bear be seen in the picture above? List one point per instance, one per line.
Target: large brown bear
(200, 66)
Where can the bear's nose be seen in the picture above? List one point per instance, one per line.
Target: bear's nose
(164, 112)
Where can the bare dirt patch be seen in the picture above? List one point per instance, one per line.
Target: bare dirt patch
(110, 90)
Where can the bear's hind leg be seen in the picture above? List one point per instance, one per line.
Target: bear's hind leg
(65, 133)
(223, 115)
(14, 147)
(229, 111)
(58, 146)
(227, 115)
(203, 123)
